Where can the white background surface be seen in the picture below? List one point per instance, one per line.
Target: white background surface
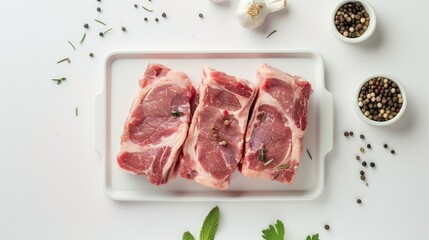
(50, 177)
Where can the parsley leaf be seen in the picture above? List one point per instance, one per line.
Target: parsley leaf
(188, 236)
(277, 233)
(210, 225)
(314, 237)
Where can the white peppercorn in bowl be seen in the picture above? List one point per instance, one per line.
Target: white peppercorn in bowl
(358, 29)
(380, 100)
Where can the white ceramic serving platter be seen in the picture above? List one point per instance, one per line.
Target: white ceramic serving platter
(123, 69)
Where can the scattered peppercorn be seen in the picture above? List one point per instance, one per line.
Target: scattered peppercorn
(101, 34)
(86, 25)
(200, 15)
(364, 163)
(362, 173)
(385, 146)
(362, 136)
(380, 99)
(98, 0)
(346, 134)
(352, 20)
(359, 201)
(327, 227)
(135, 5)
(91, 54)
(362, 150)
(164, 15)
(123, 29)
(392, 151)
(362, 177)
(351, 133)
(357, 158)
(368, 146)
(372, 164)
(98, 9)
(223, 143)
(145, 19)
(226, 122)
(156, 19)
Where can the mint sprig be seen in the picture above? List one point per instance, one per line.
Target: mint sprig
(187, 236)
(209, 228)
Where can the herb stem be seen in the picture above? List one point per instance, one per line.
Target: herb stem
(108, 30)
(71, 44)
(83, 38)
(100, 22)
(63, 60)
(271, 33)
(147, 9)
(309, 155)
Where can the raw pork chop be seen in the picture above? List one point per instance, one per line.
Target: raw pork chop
(214, 145)
(157, 124)
(274, 135)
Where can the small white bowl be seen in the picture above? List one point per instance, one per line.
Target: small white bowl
(388, 122)
(369, 31)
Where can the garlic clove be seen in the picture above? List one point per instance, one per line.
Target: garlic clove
(276, 5)
(252, 13)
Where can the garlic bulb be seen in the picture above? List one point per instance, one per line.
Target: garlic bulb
(252, 13)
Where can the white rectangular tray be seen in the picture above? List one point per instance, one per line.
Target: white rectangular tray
(120, 86)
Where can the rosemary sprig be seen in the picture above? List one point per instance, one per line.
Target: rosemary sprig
(147, 9)
(59, 80)
(108, 30)
(308, 152)
(262, 153)
(176, 113)
(271, 33)
(282, 167)
(100, 22)
(268, 162)
(71, 44)
(83, 38)
(76, 111)
(63, 60)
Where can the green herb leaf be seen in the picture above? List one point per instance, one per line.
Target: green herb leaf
(100, 22)
(271, 33)
(147, 9)
(314, 237)
(76, 111)
(309, 155)
(210, 225)
(63, 60)
(176, 113)
(188, 236)
(274, 233)
(282, 167)
(59, 80)
(262, 153)
(71, 44)
(83, 38)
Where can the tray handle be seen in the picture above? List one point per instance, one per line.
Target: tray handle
(100, 122)
(327, 122)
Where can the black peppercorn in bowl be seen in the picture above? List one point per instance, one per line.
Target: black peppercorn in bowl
(353, 21)
(380, 100)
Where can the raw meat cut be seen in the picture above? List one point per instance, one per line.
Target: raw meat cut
(274, 135)
(157, 124)
(215, 141)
